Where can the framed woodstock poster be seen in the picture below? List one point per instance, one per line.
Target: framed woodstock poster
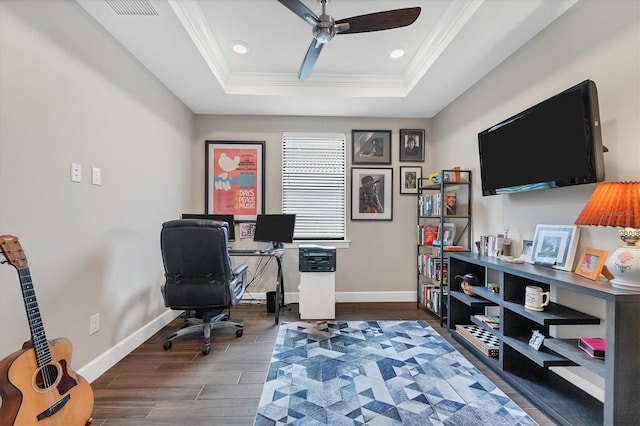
(234, 173)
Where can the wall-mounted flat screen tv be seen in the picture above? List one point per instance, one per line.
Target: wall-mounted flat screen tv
(552, 144)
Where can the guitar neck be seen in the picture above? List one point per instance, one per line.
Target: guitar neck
(38, 336)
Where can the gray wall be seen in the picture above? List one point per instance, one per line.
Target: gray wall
(380, 261)
(69, 93)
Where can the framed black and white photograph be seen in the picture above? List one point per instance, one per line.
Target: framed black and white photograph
(555, 245)
(371, 147)
(411, 145)
(371, 194)
(409, 179)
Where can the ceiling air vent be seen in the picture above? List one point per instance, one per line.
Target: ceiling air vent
(132, 7)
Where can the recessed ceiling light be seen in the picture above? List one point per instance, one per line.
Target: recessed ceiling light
(396, 53)
(240, 47)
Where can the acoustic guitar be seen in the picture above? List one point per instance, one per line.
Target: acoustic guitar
(37, 385)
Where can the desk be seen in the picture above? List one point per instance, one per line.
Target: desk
(277, 254)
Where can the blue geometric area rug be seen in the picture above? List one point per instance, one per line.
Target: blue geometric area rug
(377, 373)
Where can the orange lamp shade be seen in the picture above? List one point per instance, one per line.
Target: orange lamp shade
(613, 204)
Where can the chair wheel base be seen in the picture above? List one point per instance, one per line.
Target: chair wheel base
(167, 345)
(206, 350)
(239, 332)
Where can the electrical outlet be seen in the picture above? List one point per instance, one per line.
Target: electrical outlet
(96, 176)
(76, 172)
(94, 324)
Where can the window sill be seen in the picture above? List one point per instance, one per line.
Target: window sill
(338, 244)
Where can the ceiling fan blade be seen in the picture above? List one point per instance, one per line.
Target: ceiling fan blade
(379, 21)
(297, 7)
(310, 59)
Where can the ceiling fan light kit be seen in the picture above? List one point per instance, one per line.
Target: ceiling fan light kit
(325, 27)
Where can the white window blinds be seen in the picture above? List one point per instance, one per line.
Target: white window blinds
(314, 184)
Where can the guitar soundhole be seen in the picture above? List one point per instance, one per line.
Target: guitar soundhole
(47, 376)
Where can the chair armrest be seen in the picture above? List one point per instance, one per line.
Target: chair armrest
(236, 285)
(240, 270)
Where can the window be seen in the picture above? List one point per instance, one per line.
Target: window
(314, 184)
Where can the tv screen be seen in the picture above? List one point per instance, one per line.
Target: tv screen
(276, 228)
(219, 217)
(552, 144)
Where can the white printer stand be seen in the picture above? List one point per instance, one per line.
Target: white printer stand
(317, 295)
(317, 291)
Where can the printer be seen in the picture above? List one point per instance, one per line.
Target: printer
(315, 258)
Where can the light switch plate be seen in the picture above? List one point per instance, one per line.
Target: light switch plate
(96, 176)
(76, 172)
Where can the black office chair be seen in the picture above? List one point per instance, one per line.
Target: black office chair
(199, 276)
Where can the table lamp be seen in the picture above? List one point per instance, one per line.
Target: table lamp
(618, 204)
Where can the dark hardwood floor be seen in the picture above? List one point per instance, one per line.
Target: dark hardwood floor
(180, 386)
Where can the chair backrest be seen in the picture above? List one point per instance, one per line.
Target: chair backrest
(197, 264)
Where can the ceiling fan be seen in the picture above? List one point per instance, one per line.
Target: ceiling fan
(325, 27)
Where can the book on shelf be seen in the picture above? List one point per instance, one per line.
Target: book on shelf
(594, 346)
(454, 248)
(427, 234)
(448, 234)
(430, 204)
(491, 321)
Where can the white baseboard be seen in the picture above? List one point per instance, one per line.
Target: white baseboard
(349, 297)
(108, 359)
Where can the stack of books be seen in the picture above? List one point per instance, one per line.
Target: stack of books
(491, 321)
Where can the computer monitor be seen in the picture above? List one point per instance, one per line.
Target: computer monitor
(219, 217)
(275, 228)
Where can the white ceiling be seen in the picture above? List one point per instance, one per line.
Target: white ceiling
(452, 44)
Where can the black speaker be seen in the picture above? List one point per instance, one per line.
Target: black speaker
(271, 302)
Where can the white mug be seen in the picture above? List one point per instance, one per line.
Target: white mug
(535, 299)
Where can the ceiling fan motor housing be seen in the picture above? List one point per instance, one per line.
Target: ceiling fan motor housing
(324, 30)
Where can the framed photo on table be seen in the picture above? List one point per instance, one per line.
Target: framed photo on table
(527, 246)
(411, 145)
(409, 178)
(371, 147)
(591, 263)
(371, 194)
(555, 246)
(234, 173)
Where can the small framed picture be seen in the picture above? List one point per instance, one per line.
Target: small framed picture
(371, 194)
(409, 179)
(247, 229)
(591, 263)
(536, 340)
(555, 246)
(371, 147)
(527, 246)
(411, 145)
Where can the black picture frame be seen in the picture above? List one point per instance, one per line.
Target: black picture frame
(409, 178)
(234, 178)
(411, 145)
(370, 147)
(377, 182)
